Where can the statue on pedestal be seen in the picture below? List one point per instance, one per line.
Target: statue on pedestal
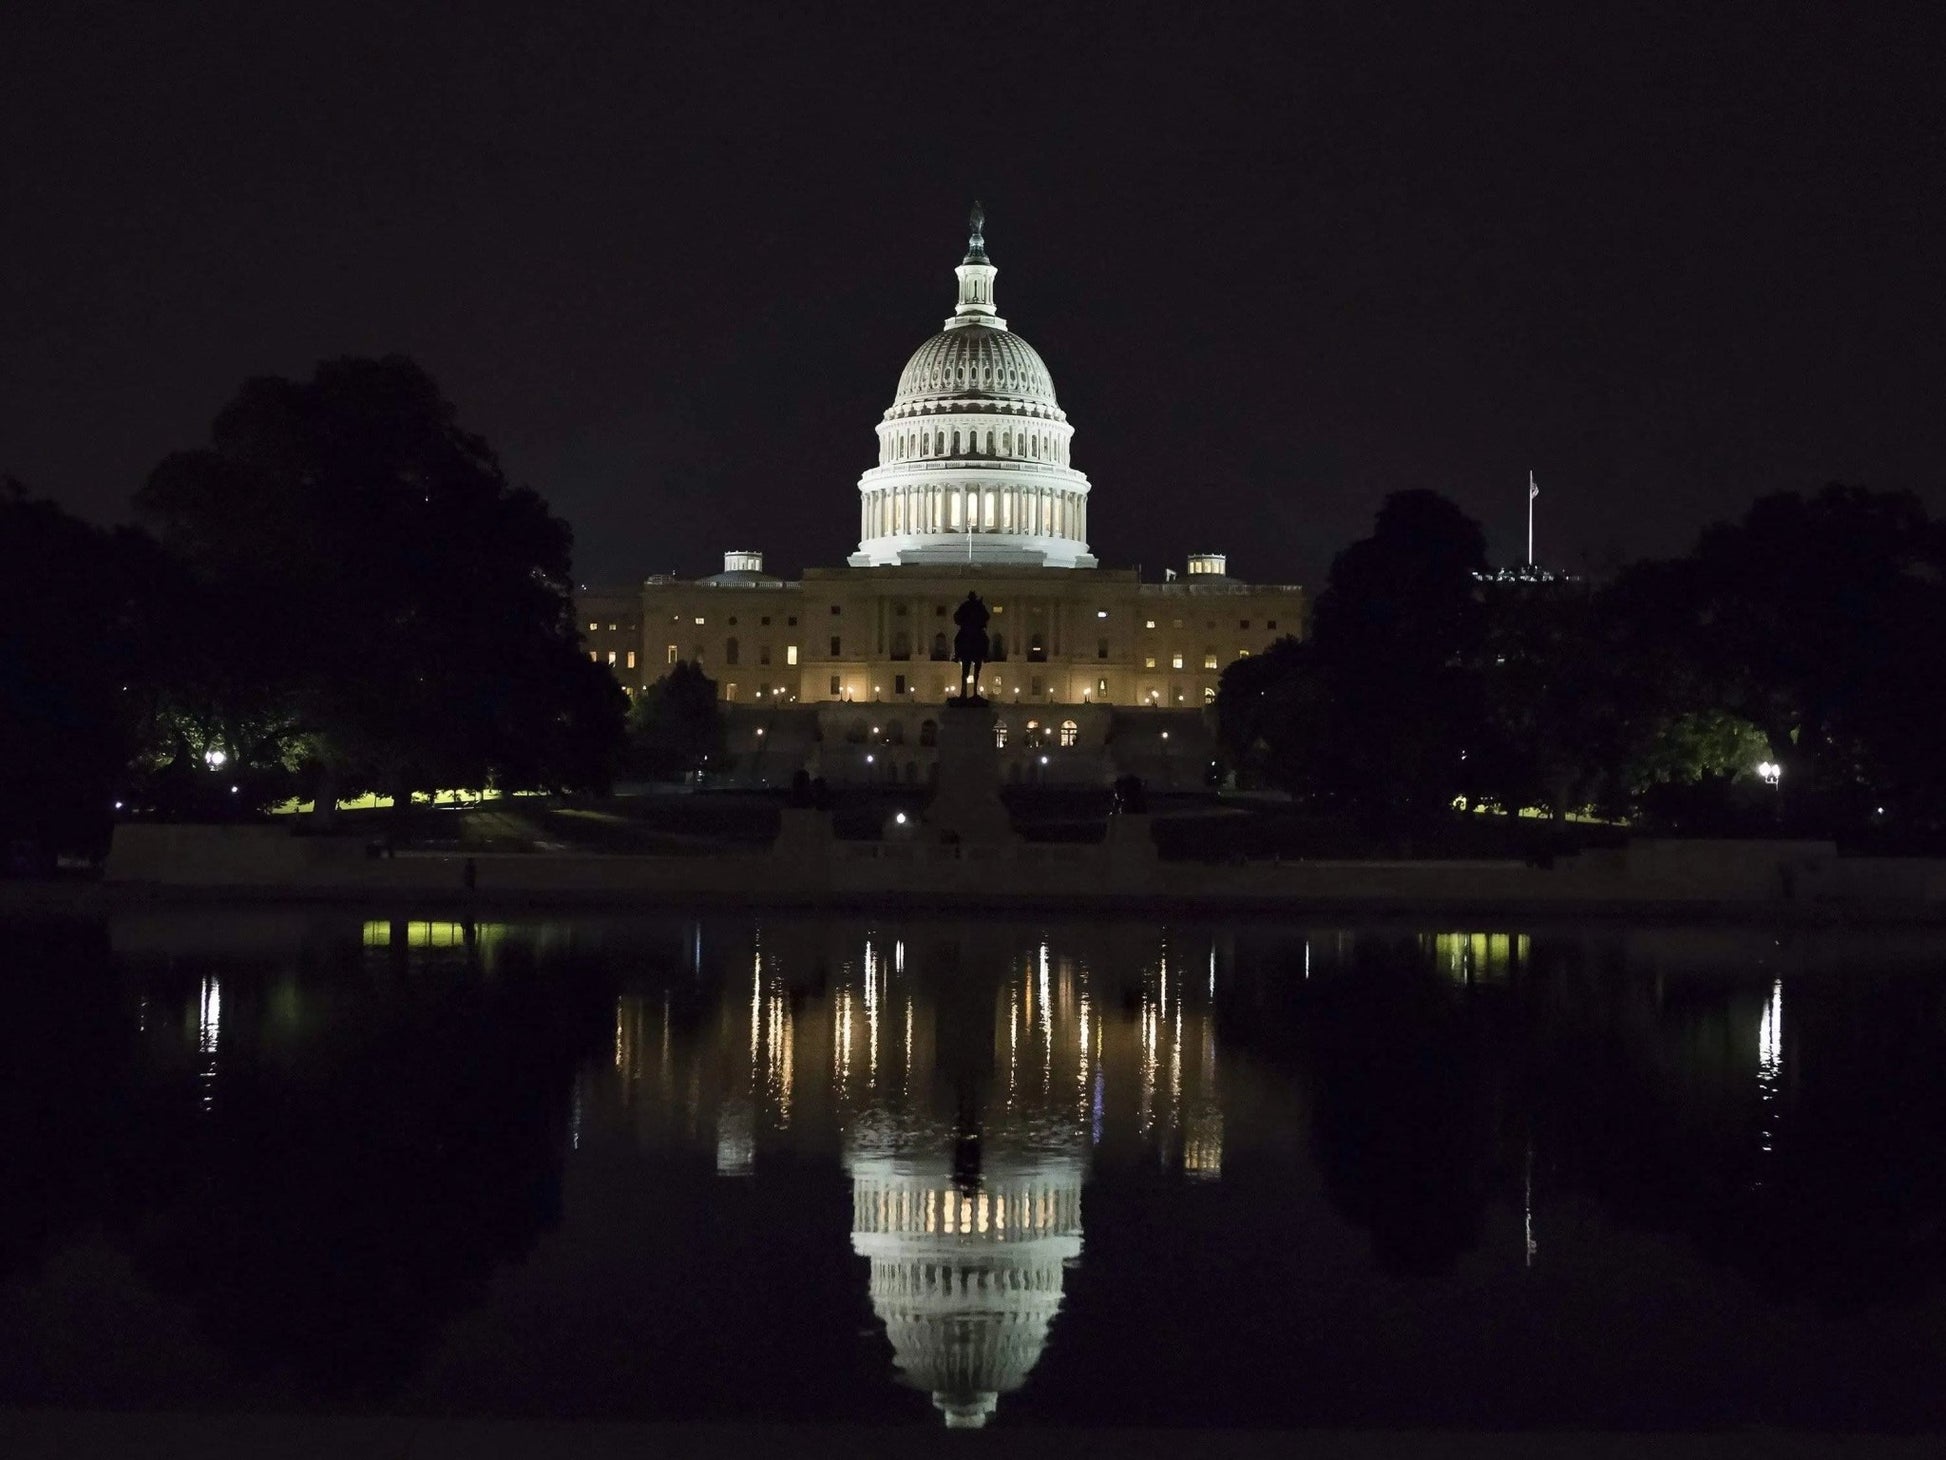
(970, 647)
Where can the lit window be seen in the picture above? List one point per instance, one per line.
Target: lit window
(1209, 659)
(613, 627)
(1175, 661)
(594, 656)
(1101, 686)
(593, 627)
(730, 690)
(1148, 623)
(672, 654)
(631, 658)
(1000, 734)
(611, 658)
(1101, 613)
(790, 654)
(699, 619)
(1209, 694)
(1070, 732)
(1149, 662)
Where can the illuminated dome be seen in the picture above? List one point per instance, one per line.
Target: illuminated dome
(980, 362)
(973, 454)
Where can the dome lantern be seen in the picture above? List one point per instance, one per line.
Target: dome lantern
(975, 279)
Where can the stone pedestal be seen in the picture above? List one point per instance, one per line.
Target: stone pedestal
(966, 806)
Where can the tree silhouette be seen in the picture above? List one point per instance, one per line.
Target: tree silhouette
(409, 606)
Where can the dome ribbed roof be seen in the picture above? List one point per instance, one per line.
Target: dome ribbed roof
(973, 362)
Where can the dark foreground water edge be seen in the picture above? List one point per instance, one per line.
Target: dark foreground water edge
(1057, 1173)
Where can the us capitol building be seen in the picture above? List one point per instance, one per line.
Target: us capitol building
(1094, 671)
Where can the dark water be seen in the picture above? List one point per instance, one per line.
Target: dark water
(1027, 1173)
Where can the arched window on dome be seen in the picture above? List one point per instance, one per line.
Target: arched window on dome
(956, 445)
(1006, 443)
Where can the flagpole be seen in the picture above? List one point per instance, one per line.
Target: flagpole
(1532, 492)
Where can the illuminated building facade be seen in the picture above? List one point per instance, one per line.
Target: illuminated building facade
(974, 490)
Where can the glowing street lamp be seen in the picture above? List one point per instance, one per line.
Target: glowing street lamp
(1769, 772)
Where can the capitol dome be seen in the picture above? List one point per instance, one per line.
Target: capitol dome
(973, 453)
(980, 362)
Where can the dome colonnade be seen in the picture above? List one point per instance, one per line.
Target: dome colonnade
(973, 461)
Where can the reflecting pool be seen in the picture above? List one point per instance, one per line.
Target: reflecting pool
(974, 1172)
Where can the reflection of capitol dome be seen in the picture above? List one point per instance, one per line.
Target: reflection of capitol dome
(965, 1280)
(973, 454)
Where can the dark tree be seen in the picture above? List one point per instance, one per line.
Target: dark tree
(406, 607)
(1396, 641)
(74, 636)
(1269, 716)
(676, 725)
(1820, 622)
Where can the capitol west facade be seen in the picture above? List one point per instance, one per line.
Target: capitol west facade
(1094, 672)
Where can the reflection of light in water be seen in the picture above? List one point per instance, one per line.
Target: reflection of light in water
(435, 933)
(1479, 957)
(778, 1039)
(736, 1139)
(871, 1016)
(1527, 1203)
(209, 1018)
(1047, 1004)
(1770, 1054)
(756, 1004)
(209, 1028)
(841, 1046)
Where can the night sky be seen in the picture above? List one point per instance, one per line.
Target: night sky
(1280, 261)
